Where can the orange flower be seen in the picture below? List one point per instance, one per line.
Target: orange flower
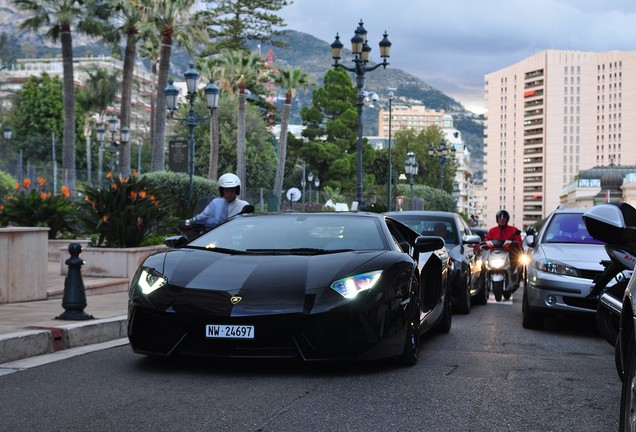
(41, 181)
(43, 195)
(105, 218)
(133, 194)
(17, 186)
(142, 194)
(26, 183)
(9, 197)
(66, 192)
(109, 175)
(114, 185)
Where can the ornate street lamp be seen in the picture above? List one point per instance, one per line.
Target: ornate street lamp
(411, 167)
(361, 52)
(444, 153)
(317, 184)
(310, 179)
(192, 120)
(7, 133)
(112, 127)
(389, 200)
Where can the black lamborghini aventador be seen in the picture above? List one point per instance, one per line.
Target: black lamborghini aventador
(310, 286)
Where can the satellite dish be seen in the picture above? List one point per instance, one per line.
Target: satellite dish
(294, 194)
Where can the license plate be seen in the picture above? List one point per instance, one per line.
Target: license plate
(215, 331)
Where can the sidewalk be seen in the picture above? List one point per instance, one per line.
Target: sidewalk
(30, 329)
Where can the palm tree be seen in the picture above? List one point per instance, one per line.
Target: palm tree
(59, 16)
(291, 80)
(98, 94)
(172, 19)
(238, 70)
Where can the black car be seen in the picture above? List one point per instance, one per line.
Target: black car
(465, 279)
(310, 286)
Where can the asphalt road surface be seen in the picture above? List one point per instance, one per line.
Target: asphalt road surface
(487, 374)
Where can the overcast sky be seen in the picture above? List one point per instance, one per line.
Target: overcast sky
(452, 44)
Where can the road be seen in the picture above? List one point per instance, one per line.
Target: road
(487, 374)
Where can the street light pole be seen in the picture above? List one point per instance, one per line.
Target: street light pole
(443, 152)
(411, 167)
(389, 200)
(112, 124)
(361, 52)
(310, 179)
(317, 183)
(101, 131)
(191, 120)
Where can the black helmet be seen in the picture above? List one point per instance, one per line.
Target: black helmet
(503, 213)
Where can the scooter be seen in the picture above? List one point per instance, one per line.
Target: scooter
(614, 225)
(499, 272)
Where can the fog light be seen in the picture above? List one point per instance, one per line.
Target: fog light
(550, 300)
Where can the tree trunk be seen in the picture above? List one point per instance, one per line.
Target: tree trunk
(240, 142)
(68, 138)
(213, 170)
(126, 100)
(282, 153)
(158, 141)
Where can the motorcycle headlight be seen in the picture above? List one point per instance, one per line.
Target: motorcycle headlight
(351, 286)
(556, 267)
(497, 263)
(524, 259)
(150, 280)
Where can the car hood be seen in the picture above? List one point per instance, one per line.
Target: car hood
(584, 256)
(206, 280)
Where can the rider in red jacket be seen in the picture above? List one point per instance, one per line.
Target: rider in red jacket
(503, 231)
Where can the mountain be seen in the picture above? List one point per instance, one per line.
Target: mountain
(302, 51)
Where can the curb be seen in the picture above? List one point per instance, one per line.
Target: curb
(35, 341)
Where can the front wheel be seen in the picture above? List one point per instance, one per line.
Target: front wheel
(627, 421)
(411, 346)
(497, 289)
(531, 320)
(463, 305)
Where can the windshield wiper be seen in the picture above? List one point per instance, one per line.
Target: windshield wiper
(297, 251)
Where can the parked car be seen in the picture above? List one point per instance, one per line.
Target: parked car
(309, 286)
(564, 260)
(465, 278)
(626, 357)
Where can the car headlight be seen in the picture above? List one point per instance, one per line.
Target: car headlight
(496, 263)
(150, 281)
(351, 286)
(556, 267)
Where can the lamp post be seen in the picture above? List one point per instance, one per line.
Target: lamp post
(7, 133)
(361, 52)
(101, 131)
(443, 152)
(310, 179)
(389, 201)
(411, 167)
(112, 127)
(124, 139)
(191, 120)
(317, 183)
(138, 157)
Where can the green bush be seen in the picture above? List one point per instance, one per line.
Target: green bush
(171, 187)
(34, 207)
(7, 184)
(124, 213)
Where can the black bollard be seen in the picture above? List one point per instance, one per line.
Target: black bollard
(74, 300)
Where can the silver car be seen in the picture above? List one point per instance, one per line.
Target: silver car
(565, 260)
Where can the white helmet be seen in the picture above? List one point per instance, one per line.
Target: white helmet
(229, 180)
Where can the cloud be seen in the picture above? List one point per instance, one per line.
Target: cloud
(451, 45)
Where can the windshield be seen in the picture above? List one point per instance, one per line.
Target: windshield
(430, 226)
(303, 233)
(568, 228)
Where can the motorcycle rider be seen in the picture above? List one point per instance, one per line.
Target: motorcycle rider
(221, 208)
(503, 231)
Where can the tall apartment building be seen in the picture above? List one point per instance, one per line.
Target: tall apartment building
(550, 116)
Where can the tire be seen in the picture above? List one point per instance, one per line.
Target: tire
(531, 319)
(482, 295)
(497, 288)
(411, 346)
(446, 321)
(617, 359)
(627, 420)
(463, 305)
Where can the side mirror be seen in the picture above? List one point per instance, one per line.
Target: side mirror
(429, 243)
(249, 208)
(531, 240)
(175, 242)
(472, 239)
